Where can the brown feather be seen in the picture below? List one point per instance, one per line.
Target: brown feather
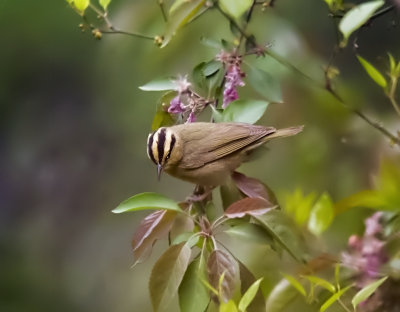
(218, 142)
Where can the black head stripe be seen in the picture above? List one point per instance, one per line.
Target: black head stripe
(160, 145)
(171, 145)
(149, 148)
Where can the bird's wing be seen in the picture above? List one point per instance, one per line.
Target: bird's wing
(222, 141)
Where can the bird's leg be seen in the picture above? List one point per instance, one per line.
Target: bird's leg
(200, 194)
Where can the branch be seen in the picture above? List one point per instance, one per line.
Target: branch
(327, 87)
(162, 8)
(114, 30)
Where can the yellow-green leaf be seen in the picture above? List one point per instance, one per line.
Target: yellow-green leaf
(81, 5)
(321, 215)
(367, 199)
(104, 4)
(193, 294)
(249, 295)
(181, 15)
(367, 291)
(295, 283)
(320, 282)
(235, 8)
(146, 201)
(229, 306)
(373, 72)
(356, 17)
(334, 298)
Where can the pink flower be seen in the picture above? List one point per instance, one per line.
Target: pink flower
(372, 225)
(233, 79)
(191, 118)
(366, 254)
(176, 106)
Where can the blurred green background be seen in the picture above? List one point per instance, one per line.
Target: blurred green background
(73, 129)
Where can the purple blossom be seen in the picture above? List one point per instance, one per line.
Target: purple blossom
(372, 225)
(366, 254)
(233, 79)
(191, 118)
(176, 106)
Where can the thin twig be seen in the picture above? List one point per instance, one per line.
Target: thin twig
(162, 8)
(114, 30)
(343, 305)
(391, 95)
(380, 13)
(122, 32)
(377, 126)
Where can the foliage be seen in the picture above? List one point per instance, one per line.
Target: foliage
(197, 266)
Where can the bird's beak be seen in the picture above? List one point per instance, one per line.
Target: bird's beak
(159, 170)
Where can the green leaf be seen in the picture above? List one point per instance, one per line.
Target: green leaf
(248, 111)
(159, 85)
(298, 205)
(104, 4)
(175, 6)
(162, 118)
(249, 295)
(250, 232)
(367, 291)
(373, 72)
(193, 295)
(211, 43)
(208, 76)
(295, 283)
(179, 16)
(265, 84)
(283, 230)
(246, 280)
(155, 226)
(235, 8)
(320, 282)
(187, 237)
(392, 63)
(356, 17)
(335, 5)
(146, 201)
(211, 68)
(334, 298)
(167, 275)
(366, 199)
(229, 306)
(81, 5)
(281, 296)
(321, 215)
(388, 184)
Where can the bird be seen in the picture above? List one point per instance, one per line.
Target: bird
(206, 153)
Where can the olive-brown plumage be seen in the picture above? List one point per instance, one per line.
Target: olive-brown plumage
(207, 153)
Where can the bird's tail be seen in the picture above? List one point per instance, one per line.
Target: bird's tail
(281, 133)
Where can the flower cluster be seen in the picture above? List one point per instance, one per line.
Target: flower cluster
(367, 254)
(233, 76)
(187, 103)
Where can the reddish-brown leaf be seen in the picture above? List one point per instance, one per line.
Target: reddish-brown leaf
(248, 206)
(155, 226)
(220, 263)
(253, 188)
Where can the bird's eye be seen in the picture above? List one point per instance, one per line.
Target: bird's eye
(166, 158)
